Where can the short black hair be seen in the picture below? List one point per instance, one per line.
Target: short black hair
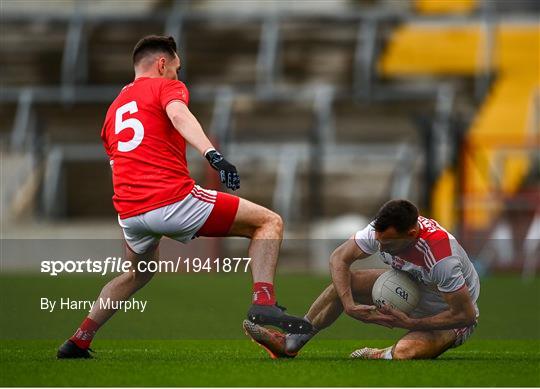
(153, 44)
(400, 214)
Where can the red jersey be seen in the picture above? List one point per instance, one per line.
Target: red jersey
(147, 154)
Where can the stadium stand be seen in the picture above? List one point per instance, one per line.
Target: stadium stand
(349, 90)
(504, 120)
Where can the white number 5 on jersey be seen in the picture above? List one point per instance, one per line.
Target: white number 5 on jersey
(120, 125)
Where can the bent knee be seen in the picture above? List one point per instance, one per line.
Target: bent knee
(274, 221)
(270, 220)
(403, 352)
(257, 221)
(407, 351)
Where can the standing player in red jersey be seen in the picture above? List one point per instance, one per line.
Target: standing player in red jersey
(145, 133)
(447, 312)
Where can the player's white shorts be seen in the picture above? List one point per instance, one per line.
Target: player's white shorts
(203, 212)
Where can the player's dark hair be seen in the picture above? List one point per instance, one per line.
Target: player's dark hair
(400, 214)
(153, 44)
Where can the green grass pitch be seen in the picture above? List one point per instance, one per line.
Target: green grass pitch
(191, 336)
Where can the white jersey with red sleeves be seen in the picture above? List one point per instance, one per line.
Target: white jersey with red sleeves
(436, 260)
(147, 154)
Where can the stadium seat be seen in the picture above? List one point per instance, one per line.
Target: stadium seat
(503, 120)
(429, 7)
(208, 61)
(318, 52)
(31, 52)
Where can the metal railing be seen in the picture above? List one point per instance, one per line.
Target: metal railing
(315, 152)
(364, 86)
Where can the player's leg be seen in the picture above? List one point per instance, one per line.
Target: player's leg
(423, 344)
(326, 309)
(323, 312)
(234, 216)
(119, 288)
(419, 344)
(125, 285)
(265, 230)
(414, 345)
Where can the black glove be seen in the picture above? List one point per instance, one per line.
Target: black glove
(227, 172)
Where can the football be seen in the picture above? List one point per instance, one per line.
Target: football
(396, 289)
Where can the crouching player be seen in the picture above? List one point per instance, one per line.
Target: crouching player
(446, 314)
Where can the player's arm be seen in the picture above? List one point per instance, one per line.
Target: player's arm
(448, 277)
(188, 126)
(340, 263)
(191, 130)
(460, 313)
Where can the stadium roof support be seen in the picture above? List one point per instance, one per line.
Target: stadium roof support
(284, 191)
(25, 120)
(74, 60)
(364, 58)
(267, 56)
(485, 68)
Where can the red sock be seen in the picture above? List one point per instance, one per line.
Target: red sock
(85, 333)
(263, 293)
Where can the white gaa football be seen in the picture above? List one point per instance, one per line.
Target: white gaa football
(397, 289)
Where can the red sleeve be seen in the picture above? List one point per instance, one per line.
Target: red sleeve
(104, 140)
(173, 90)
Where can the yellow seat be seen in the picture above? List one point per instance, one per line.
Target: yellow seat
(491, 170)
(445, 6)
